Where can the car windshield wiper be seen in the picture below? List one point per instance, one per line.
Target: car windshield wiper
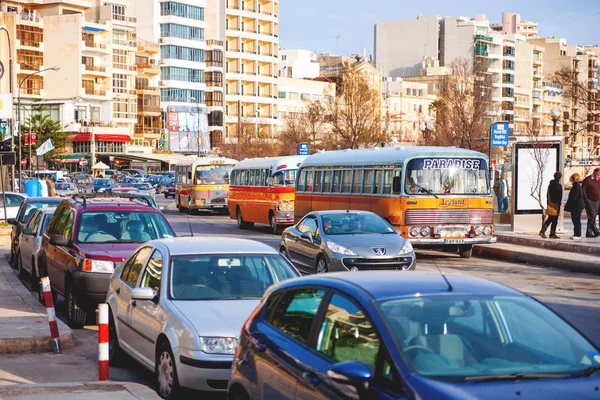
(123, 241)
(512, 377)
(586, 372)
(428, 191)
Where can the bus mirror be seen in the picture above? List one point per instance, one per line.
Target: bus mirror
(396, 185)
(189, 175)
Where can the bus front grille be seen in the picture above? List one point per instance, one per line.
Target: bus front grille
(454, 216)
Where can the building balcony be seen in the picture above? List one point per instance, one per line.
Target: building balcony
(147, 131)
(97, 128)
(144, 46)
(95, 70)
(148, 68)
(95, 92)
(149, 110)
(92, 47)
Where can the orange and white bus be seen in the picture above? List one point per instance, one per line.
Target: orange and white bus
(202, 183)
(437, 197)
(263, 191)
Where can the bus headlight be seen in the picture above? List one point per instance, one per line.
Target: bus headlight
(425, 231)
(290, 206)
(487, 231)
(414, 231)
(478, 230)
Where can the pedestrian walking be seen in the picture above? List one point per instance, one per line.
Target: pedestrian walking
(575, 205)
(501, 189)
(553, 198)
(591, 197)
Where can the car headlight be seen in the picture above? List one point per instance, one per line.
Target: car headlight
(217, 345)
(487, 231)
(407, 248)
(336, 248)
(101, 266)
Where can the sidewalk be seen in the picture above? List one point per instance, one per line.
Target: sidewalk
(564, 253)
(23, 320)
(90, 391)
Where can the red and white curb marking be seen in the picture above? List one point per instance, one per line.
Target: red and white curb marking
(103, 342)
(51, 314)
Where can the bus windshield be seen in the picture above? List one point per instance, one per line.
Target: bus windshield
(285, 178)
(446, 175)
(213, 174)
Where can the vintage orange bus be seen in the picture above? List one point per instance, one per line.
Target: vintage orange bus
(262, 191)
(202, 183)
(437, 197)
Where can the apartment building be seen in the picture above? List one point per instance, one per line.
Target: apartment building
(408, 106)
(149, 121)
(299, 64)
(511, 24)
(528, 83)
(249, 30)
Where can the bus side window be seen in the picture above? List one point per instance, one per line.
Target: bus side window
(396, 185)
(377, 187)
(327, 181)
(337, 178)
(318, 180)
(301, 181)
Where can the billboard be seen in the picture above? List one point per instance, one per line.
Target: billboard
(188, 131)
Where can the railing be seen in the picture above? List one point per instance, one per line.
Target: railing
(153, 109)
(95, 92)
(214, 83)
(214, 63)
(95, 45)
(95, 68)
(146, 65)
(148, 45)
(146, 130)
(31, 91)
(212, 42)
(146, 87)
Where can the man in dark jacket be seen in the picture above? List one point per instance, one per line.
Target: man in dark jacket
(591, 196)
(554, 200)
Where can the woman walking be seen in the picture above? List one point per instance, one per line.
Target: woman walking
(575, 205)
(554, 198)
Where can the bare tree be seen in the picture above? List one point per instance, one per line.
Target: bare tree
(250, 143)
(308, 125)
(540, 153)
(356, 113)
(465, 107)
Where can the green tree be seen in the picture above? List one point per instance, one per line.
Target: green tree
(40, 123)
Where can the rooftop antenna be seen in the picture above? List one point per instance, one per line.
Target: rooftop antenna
(450, 288)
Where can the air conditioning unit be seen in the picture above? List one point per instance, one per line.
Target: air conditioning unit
(161, 83)
(162, 62)
(161, 40)
(99, 80)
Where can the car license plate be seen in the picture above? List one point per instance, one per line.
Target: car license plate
(454, 241)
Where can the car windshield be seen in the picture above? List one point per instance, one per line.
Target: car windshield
(122, 227)
(143, 186)
(446, 175)
(226, 276)
(470, 339)
(101, 182)
(213, 174)
(354, 224)
(27, 211)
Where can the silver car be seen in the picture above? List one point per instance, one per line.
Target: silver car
(177, 306)
(326, 241)
(64, 189)
(30, 241)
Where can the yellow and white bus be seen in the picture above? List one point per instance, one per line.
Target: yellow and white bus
(437, 197)
(202, 183)
(263, 190)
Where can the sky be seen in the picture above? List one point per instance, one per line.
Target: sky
(346, 26)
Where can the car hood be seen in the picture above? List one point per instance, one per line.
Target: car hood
(581, 388)
(223, 318)
(363, 244)
(116, 252)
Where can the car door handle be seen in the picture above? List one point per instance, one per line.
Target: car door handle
(311, 378)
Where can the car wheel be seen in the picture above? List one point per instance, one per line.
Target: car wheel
(166, 195)
(166, 373)
(20, 271)
(240, 220)
(274, 227)
(115, 353)
(237, 393)
(76, 314)
(321, 265)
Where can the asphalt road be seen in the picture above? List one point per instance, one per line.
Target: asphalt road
(576, 297)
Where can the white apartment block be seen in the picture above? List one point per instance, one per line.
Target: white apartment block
(512, 24)
(298, 64)
(293, 94)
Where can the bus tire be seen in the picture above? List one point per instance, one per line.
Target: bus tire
(241, 224)
(465, 251)
(276, 229)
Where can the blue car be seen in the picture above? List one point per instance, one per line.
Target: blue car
(400, 335)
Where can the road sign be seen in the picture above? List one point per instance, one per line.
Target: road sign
(499, 133)
(23, 162)
(83, 162)
(303, 149)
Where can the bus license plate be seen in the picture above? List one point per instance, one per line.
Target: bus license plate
(222, 206)
(454, 241)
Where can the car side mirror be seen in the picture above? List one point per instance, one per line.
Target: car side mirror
(396, 185)
(12, 221)
(144, 293)
(28, 231)
(353, 373)
(308, 236)
(59, 240)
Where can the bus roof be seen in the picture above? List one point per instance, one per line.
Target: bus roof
(287, 162)
(384, 155)
(206, 161)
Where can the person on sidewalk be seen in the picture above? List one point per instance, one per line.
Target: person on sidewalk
(502, 192)
(575, 205)
(591, 197)
(554, 199)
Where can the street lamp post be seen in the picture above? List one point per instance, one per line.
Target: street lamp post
(554, 114)
(197, 126)
(10, 86)
(55, 68)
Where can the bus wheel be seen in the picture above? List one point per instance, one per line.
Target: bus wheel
(465, 251)
(240, 220)
(274, 227)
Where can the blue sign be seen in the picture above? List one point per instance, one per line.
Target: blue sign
(303, 149)
(499, 134)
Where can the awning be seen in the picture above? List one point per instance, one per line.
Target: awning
(93, 29)
(87, 137)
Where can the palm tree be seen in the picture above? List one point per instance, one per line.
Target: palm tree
(45, 128)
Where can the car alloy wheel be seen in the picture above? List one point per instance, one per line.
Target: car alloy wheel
(76, 315)
(321, 266)
(166, 373)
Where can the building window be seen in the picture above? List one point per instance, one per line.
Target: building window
(120, 59)
(214, 58)
(120, 83)
(408, 92)
(214, 99)
(181, 95)
(414, 92)
(181, 53)
(181, 10)
(293, 96)
(305, 97)
(281, 95)
(181, 31)
(215, 118)
(95, 114)
(181, 74)
(30, 60)
(436, 86)
(420, 92)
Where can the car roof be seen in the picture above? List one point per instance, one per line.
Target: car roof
(206, 245)
(43, 199)
(341, 212)
(382, 285)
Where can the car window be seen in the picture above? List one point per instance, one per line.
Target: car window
(296, 312)
(122, 226)
(45, 222)
(68, 231)
(347, 334)
(59, 225)
(152, 272)
(132, 270)
(309, 224)
(34, 222)
(13, 200)
(386, 375)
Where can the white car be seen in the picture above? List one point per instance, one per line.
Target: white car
(30, 241)
(177, 306)
(13, 203)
